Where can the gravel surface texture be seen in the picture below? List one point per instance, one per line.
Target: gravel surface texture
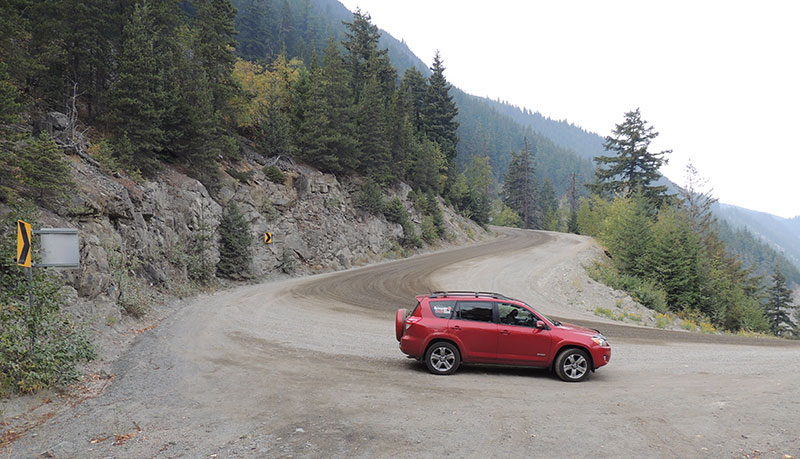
(310, 368)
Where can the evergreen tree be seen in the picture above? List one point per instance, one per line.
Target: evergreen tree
(364, 60)
(633, 169)
(779, 305)
(340, 136)
(479, 182)
(402, 137)
(697, 202)
(136, 109)
(325, 136)
(673, 261)
(44, 171)
(214, 47)
(572, 223)
(427, 166)
(235, 241)
(548, 205)
(519, 187)
(627, 232)
(254, 36)
(413, 90)
(439, 114)
(372, 134)
(9, 108)
(169, 50)
(88, 30)
(194, 125)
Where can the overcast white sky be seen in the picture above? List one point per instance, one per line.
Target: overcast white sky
(718, 80)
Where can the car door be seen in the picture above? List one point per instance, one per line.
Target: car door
(519, 341)
(473, 324)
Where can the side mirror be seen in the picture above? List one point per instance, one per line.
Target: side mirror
(540, 324)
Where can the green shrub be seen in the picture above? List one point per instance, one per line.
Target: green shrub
(235, 242)
(429, 231)
(706, 327)
(242, 176)
(274, 174)
(45, 171)
(394, 211)
(634, 317)
(199, 266)
(132, 297)
(103, 153)
(688, 324)
(370, 199)
(663, 320)
(269, 211)
(410, 237)
(603, 312)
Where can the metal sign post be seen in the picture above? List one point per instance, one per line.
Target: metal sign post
(60, 249)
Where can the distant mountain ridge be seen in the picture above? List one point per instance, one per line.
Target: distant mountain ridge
(782, 234)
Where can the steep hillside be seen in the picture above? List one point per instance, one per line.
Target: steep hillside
(782, 234)
(486, 131)
(568, 135)
(486, 127)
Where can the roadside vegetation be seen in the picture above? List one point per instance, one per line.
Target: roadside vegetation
(665, 250)
(40, 346)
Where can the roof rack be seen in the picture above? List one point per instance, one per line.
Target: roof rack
(468, 293)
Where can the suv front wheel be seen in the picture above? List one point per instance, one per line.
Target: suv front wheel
(442, 358)
(572, 365)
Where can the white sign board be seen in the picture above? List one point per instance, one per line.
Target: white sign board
(59, 247)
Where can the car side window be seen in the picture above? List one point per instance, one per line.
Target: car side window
(481, 311)
(512, 314)
(443, 309)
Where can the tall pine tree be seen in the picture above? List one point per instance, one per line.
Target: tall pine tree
(136, 99)
(439, 115)
(633, 168)
(520, 188)
(779, 301)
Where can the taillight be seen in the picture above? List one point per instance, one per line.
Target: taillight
(412, 320)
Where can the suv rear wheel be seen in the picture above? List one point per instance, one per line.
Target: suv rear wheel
(572, 365)
(442, 358)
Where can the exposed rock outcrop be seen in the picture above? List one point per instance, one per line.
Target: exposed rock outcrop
(140, 233)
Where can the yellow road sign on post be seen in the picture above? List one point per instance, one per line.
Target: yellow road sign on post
(267, 238)
(23, 244)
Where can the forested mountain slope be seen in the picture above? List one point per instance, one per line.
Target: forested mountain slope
(486, 128)
(781, 234)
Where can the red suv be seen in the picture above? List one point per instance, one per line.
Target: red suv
(448, 328)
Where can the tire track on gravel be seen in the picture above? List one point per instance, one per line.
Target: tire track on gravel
(382, 289)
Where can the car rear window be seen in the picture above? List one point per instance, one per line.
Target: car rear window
(442, 309)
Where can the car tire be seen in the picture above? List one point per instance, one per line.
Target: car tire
(399, 323)
(573, 365)
(442, 358)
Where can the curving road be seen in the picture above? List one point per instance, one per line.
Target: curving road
(385, 288)
(310, 368)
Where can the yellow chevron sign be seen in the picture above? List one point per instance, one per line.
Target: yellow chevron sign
(23, 244)
(267, 238)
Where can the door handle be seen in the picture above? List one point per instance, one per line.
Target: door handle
(456, 327)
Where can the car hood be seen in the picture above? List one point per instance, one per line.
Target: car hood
(578, 328)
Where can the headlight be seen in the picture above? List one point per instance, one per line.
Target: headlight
(600, 340)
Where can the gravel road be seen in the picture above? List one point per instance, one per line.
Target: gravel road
(310, 368)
